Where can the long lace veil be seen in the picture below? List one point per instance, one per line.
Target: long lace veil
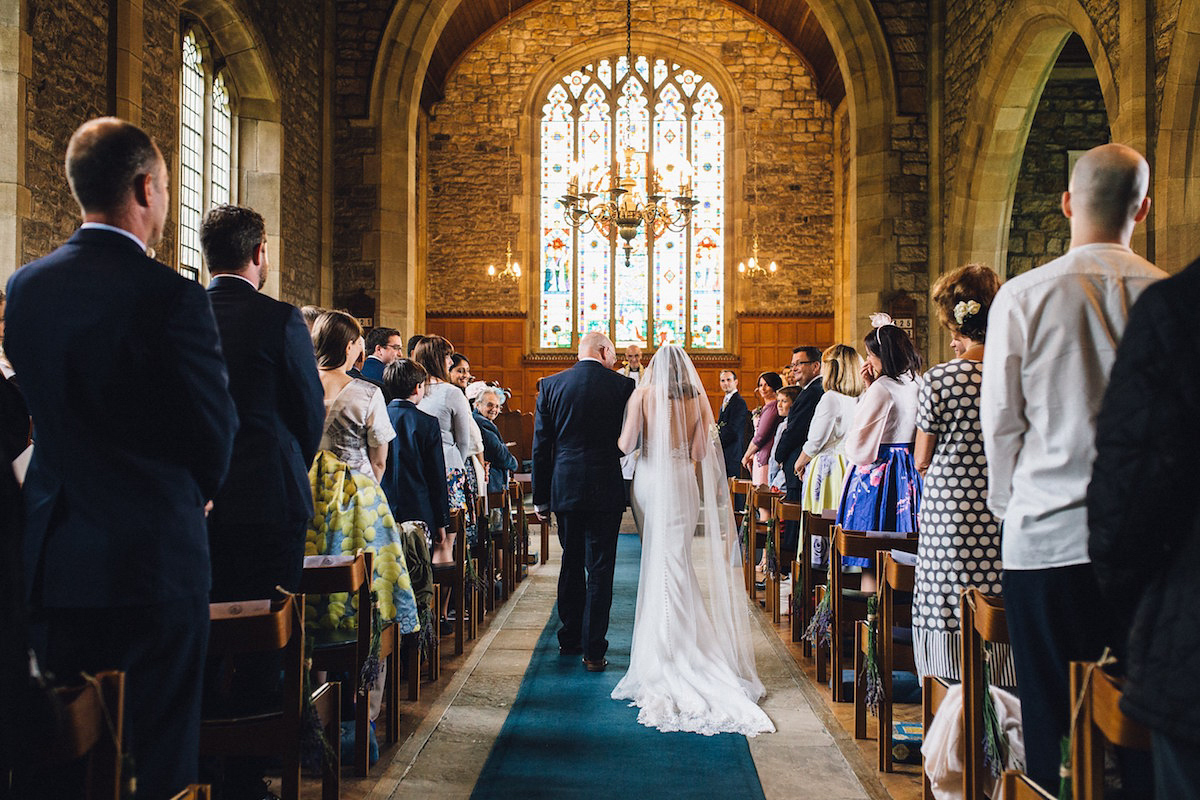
(680, 437)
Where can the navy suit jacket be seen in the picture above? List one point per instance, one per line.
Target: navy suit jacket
(275, 386)
(414, 480)
(122, 370)
(733, 424)
(576, 461)
(792, 440)
(372, 369)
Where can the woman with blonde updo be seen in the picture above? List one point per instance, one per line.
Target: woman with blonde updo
(959, 543)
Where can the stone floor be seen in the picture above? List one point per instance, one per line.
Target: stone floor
(445, 738)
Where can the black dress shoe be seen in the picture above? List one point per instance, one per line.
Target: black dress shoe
(574, 650)
(595, 666)
(760, 586)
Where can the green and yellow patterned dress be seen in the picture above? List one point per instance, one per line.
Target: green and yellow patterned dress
(351, 512)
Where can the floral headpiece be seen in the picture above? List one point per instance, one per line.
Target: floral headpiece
(879, 320)
(964, 309)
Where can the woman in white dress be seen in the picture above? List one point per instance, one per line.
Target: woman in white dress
(691, 667)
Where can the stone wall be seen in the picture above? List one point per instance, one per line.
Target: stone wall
(294, 34)
(160, 100)
(359, 30)
(1070, 116)
(68, 84)
(486, 96)
(1164, 34)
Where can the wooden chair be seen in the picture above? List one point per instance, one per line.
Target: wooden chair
(1100, 722)
(933, 692)
(814, 525)
(435, 641)
(783, 512)
(848, 605)
(531, 519)
(259, 626)
(738, 488)
(1018, 786)
(519, 525)
(508, 559)
(893, 648)
(453, 577)
(761, 498)
(983, 622)
(346, 652)
(92, 725)
(197, 791)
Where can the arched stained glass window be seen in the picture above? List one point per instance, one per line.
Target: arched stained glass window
(207, 134)
(673, 289)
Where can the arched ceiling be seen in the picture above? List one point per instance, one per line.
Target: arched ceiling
(793, 20)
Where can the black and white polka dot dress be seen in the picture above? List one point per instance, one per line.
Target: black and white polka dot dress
(959, 543)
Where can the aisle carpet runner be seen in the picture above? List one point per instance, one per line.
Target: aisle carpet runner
(565, 738)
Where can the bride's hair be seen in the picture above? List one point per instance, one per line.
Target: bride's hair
(670, 369)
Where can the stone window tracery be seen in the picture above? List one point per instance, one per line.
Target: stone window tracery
(674, 289)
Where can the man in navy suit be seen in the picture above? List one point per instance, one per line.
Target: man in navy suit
(384, 346)
(132, 441)
(732, 424)
(806, 373)
(259, 518)
(577, 475)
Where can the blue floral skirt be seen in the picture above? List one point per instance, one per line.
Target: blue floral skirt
(881, 496)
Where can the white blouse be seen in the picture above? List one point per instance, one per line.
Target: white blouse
(448, 403)
(886, 414)
(832, 418)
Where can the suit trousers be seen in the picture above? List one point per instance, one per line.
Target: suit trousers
(1056, 616)
(589, 543)
(161, 649)
(1176, 767)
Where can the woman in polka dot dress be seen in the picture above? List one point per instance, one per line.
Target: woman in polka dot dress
(959, 540)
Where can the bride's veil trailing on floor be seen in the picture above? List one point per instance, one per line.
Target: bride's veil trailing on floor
(686, 503)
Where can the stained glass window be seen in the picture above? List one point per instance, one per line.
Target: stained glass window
(206, 146)
(672, 290)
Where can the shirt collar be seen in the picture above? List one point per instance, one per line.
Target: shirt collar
(589, 358)
(814, 380)
(235, 275)
(101, 226)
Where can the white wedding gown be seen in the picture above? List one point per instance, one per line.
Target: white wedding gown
(691, 667)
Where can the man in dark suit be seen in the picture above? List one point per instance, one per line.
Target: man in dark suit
(806, 373)
(577, 475)
(257, 525)
(414, 480)
(384, 346)
(732, 424)
(132, 441)
(259, 517)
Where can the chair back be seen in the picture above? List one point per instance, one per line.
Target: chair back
(1100, 722)
(92, 724)
(846, 610)
(197, 791)
(1019, 786)
(983, 622)
(508, 422)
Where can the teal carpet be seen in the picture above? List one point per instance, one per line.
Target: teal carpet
(565, 737)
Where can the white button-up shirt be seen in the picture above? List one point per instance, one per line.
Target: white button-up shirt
(1051, 342)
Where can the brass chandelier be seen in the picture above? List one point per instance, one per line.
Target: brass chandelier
(627, 207)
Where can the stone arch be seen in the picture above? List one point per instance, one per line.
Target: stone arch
(257, 111)
(1177, 234)
(992, 142)
(408, 42)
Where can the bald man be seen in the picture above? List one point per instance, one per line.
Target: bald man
(131, 442)
(1051, 342)
(577, 475)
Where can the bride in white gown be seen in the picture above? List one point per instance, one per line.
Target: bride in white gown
(692, 663)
